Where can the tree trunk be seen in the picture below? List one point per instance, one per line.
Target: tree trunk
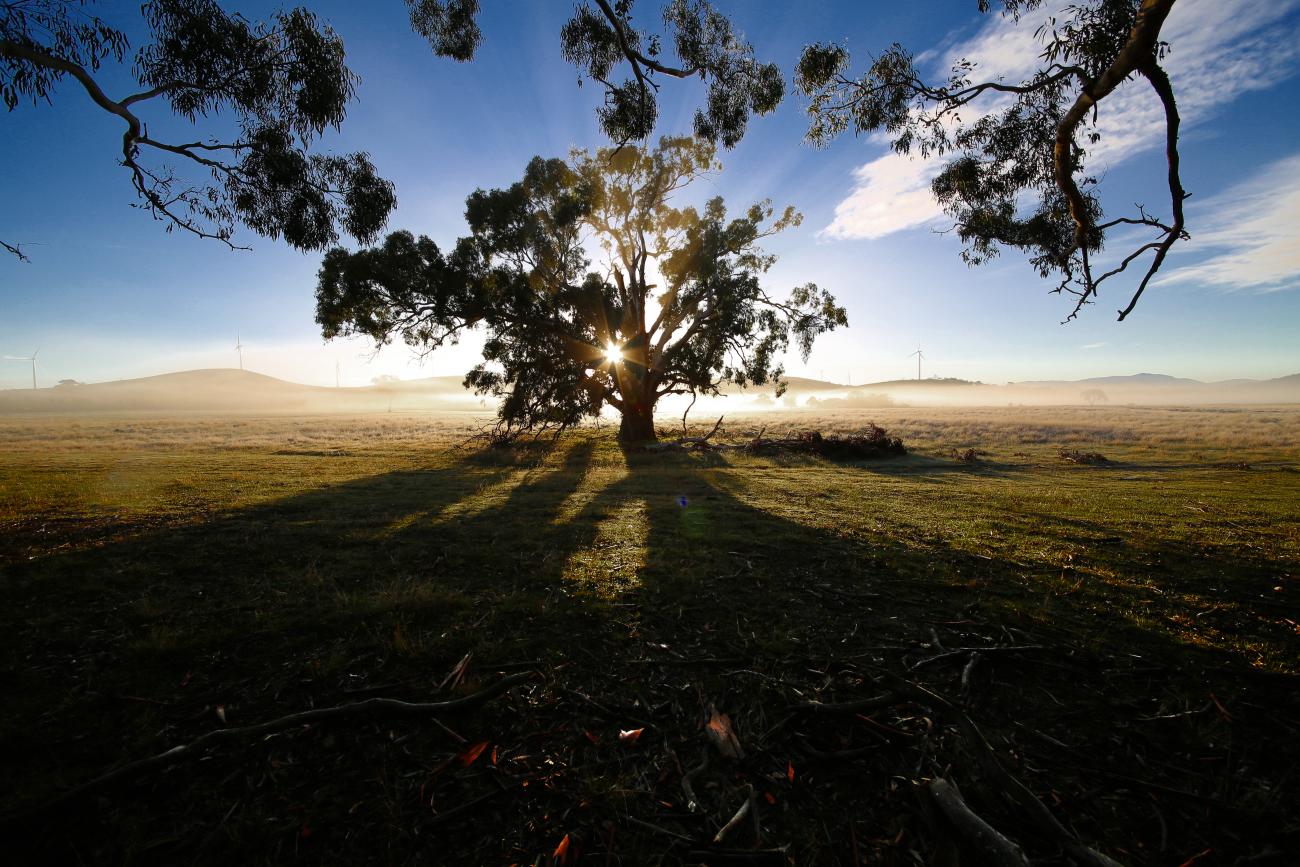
(638, 424)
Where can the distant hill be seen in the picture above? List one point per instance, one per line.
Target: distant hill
(931, 382)
(239, 391)
(236, 391)
(1159, 388)
(800, 385)
(1133, 379)
(1141, 379)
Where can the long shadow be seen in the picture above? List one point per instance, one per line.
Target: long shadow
(588, 564)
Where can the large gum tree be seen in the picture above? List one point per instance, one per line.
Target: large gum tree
(592, 287)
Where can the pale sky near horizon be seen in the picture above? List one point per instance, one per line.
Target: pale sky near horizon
(109, 295)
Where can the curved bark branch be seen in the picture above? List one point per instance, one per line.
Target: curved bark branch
(145, 182)
(1160, 82)
(16, 250)
(1137, 55)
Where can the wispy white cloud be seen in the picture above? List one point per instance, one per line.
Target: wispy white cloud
(890, 193)
(1093, 345)
(1254, 228)
(1219, 51)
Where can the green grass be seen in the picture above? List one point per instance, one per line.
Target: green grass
(154, 570)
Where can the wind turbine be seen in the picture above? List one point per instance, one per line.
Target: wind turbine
(919, 356)
(31, 358)
(239, 347)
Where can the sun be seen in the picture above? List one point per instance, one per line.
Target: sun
(613, 353)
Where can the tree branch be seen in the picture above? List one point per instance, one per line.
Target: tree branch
(1160, 82)
(374, 707)
(16, 250)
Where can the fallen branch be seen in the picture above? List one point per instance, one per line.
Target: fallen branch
(979, 835)
(685, 443)
(1011, 788)
(738, 818)
(875, 442)
(386, 707)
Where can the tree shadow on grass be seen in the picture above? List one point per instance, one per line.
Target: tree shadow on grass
(594, 565)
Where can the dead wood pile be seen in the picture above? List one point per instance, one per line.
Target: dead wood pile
(873, 443)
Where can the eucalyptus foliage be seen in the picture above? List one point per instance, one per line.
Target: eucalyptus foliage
(562, 340)
(1018, 174)
(283, 83)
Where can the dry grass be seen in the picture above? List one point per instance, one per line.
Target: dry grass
(157, 568)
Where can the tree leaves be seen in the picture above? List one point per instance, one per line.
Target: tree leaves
(520, 277)
(284, 81)
(1018, 177)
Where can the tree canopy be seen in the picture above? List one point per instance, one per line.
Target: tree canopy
(1018, 177)
(601, 39)
(1011, 143)
(283, 81)
(563, 341)
(1025, 144)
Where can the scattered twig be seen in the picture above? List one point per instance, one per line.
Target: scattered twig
(755, 857)
(873, 703)
(967, 671)
(457, 812)
(384, 707)
(688, 779)
(962, 651)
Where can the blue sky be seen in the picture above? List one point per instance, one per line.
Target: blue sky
(108, 294)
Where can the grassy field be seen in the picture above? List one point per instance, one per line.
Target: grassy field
(1138, 624)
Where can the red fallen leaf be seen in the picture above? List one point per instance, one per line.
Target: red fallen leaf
(494, 757)
(471, 753)
(561, 854)
(591, 737)
(769, 797)
(629, 736)
(789, 771)
(1197, 857)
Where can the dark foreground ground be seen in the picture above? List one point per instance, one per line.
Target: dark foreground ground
(1134, 626)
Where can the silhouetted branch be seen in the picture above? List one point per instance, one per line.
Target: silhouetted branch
(16, 250)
